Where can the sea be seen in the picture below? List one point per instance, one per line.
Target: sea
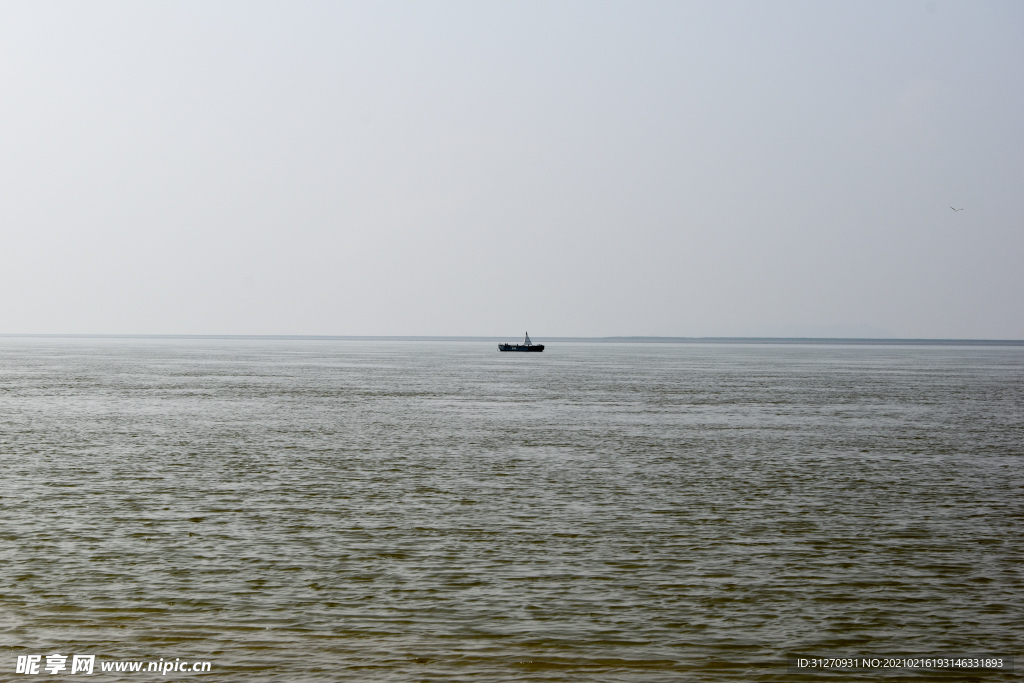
(359, 510)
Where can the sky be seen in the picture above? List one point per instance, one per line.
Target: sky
(486, 168)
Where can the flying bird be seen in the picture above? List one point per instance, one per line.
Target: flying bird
(955, 210)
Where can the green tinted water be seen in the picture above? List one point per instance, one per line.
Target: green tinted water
(312, 510)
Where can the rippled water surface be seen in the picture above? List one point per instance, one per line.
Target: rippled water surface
(396, 511)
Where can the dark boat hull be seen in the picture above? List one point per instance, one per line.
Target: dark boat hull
(521, 347)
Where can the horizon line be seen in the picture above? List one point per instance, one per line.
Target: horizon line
(642, 339)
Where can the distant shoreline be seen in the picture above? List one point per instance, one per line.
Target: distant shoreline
(606, 340)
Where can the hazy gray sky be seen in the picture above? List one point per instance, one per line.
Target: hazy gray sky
(483, 168)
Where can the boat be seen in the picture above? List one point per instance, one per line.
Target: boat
(525, 346)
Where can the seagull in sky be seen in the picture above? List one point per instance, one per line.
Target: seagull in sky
(955, 209)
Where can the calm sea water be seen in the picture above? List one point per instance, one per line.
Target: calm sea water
(405, 511)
